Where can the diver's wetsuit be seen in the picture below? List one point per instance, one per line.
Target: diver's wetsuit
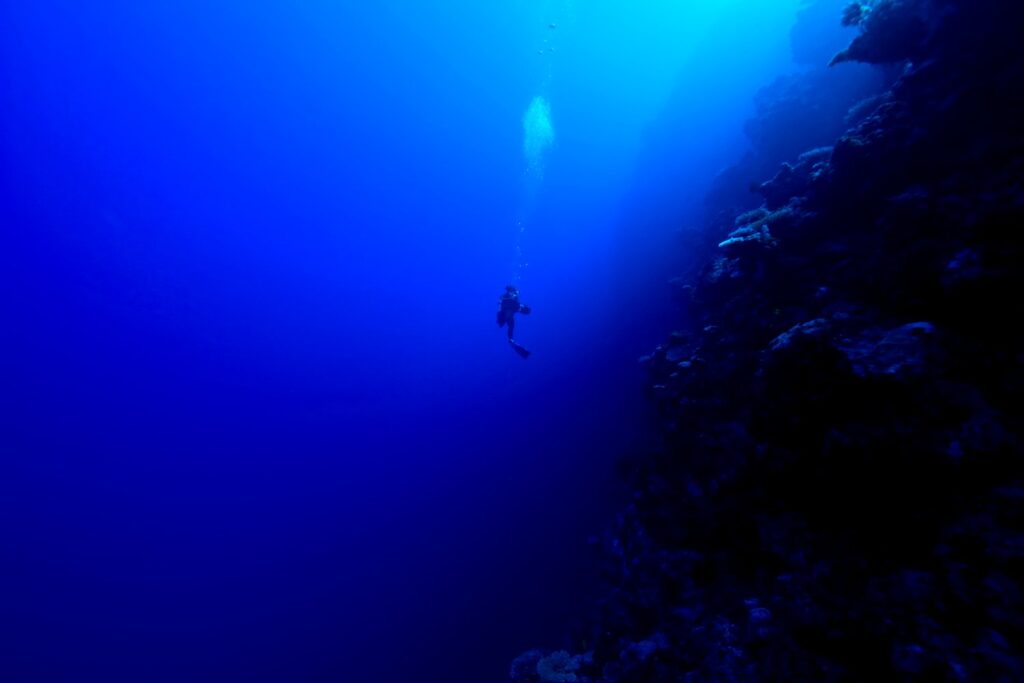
(508, 306)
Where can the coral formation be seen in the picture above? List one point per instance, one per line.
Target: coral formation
(855, 13)
(558, 667)
(890, 31)
(796, 113)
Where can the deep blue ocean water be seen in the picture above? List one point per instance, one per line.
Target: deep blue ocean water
(258, 423)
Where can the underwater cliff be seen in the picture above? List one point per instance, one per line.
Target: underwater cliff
(257, 422)
(838, 490)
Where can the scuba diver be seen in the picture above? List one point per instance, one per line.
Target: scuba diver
(508, 306)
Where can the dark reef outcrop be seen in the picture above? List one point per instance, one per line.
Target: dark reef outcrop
(794, 114)
(892, 30)
(801, 111)
(839, 493)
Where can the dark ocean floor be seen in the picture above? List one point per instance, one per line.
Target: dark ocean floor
(839, 490)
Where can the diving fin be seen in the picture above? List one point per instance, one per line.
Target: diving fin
(520, 349)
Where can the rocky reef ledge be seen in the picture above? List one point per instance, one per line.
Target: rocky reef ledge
(839, 494)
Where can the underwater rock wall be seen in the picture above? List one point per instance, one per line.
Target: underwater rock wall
(839, 494)
(796, 113)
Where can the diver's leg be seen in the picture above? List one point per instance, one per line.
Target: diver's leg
(511, 322)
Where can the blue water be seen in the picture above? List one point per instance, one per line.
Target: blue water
(257, 422)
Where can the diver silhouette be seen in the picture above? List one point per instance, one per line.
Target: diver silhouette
(508, 306)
